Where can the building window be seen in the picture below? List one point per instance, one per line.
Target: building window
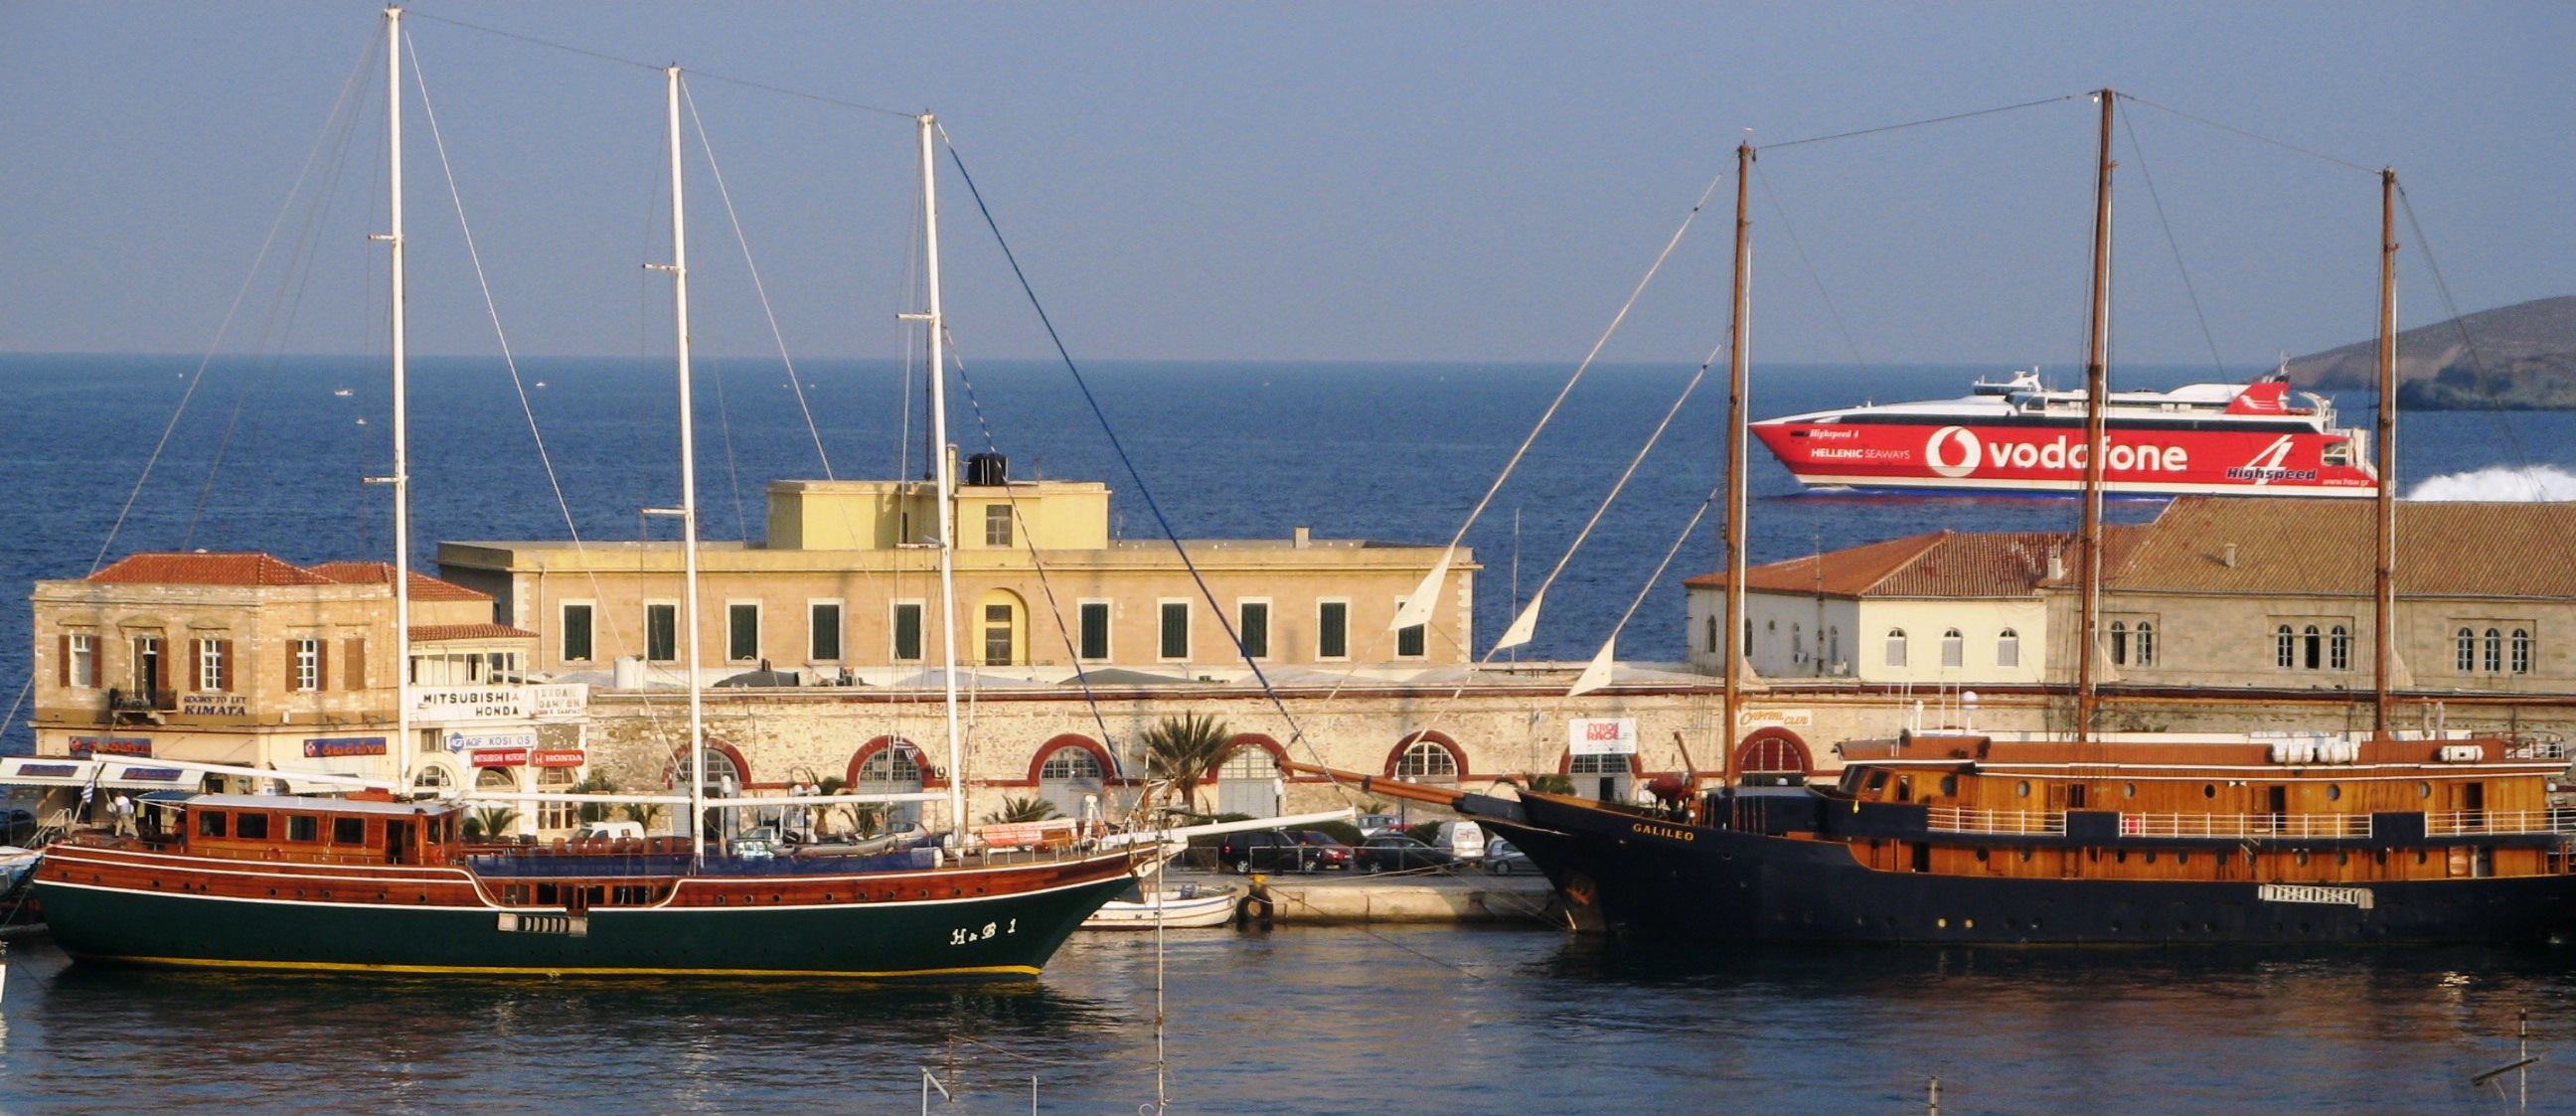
(1896, 647)
(742, 632)
(2285, 647)
(997, 525)
(576, 632)
(210, 664)
(148, 671)
(1175, 643)
(907, 631)
(2339, 648)
(823, 630)
(1954, 648)
(661, 632)
(1333, 629)
(2314, 644)
(2008, 649)
(1797, 644)
(557, 815)
(2144, 645)
(1713, 645)
(2522, 650)
(1409, 642)
(1834, 646)
(1427, 762)
(998, 644)
(308, 664)
(2464, 656)
(2495, 651)
(1252, 625)
(80, 660)
(2119, 644)
(1093, 617)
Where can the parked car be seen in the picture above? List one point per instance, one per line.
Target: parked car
(1392, 853)
(1371, 825)
(1503, 858)
(1279, 850)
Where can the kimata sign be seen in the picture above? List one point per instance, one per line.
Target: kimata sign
(1601, 736)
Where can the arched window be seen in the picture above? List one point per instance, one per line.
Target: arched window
(894, 769)
(2146, 644)
(1606, 777)
(497, 778)
(2119, 644)
(1713, 645)
(1834, 646)
(2465, 654)
(1425, 761)
(2315, 642)
(432, 780)
(2495, 651)
(2522, 650)
(1067, 777)
(1248, 782)
(1954, 649)
(2008, 649)
(2285, 647)
(1797, 644)
(2339, 649)
(1896, 647)
(1069, 763)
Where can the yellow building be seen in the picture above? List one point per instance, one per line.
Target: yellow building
(846, 589)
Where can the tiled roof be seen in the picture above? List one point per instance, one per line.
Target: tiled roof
(441, 633)
(2324, 546)
(1939, 564)
(423, 586)
(207, 569)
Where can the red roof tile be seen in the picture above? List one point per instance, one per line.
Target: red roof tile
(441, 633)
(1939, 564)
(2322, 546)
(207, 569)
(423, 586)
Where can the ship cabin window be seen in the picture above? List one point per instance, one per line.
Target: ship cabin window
(2338, 453)
(1949, 784)
(2339, 649)
(348, 831)
(2128, 790)
(2333, 792)
(1877, 781)
(211, 823)
(2285, 647)
(1896, 647)
(2022, 789)
(2522, 650)
(1905, 788)
(251, 827)
(2209, 790)
(303, 827)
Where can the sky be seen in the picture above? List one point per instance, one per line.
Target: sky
(1326, 181)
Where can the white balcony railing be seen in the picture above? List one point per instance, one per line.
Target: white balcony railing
(1957, 819)
(2245, 825)
(2500, 821)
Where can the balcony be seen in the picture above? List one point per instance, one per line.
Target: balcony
(140, 707)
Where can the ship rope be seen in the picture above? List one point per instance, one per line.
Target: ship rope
(2156, 201)
(1800, 248)
(2477, 359)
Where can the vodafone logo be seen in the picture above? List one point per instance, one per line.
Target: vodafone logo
(1970, 453)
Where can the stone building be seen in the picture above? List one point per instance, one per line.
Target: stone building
(1944, 608)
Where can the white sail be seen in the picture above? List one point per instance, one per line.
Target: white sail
(1597, 674)
(1523, 626)
(1417, 608)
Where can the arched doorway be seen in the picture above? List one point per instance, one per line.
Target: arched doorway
(892, 769)
(1607, 778)
(1248, 781)
(1001, 629)
(1426, 758)
(1773, 757)
(1067, 776)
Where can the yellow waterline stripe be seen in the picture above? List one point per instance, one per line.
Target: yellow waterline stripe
(516, 970)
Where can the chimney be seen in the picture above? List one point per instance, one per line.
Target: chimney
(2227, 556)
(2057, 565)
(1302, 537)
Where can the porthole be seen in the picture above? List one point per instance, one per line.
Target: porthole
(1941, 924)
(2301, 858)
(1969, 924)
(2025, 856)
(2209, 790)
(2183, 857)
(2419, 856)
(2022, 789)
(2342, 858)
(2423, 790)
(1949, 784)
(2128, 790)
(1981, 856)
(2334, 792)
(2151, 856)
(2120, 856)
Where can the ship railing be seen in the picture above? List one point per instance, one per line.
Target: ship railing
(2529, 745)
(2245, 825)
(1961, 819)
(2501, 821)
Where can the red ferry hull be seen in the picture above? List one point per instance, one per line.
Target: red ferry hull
(1998, 458)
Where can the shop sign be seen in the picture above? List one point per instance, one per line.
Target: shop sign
(470, 703)
(559, 699)
(83, 747)
(498, 757)
(1601, 736)
(214, 705)
(1783, 718)
(557, 757)
(466, 740)
(334, 747)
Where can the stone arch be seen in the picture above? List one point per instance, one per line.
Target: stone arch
(1457, 755)
(931, 774)
(1774, 749)
(999, 629)
(1109, 772)
(679, 758)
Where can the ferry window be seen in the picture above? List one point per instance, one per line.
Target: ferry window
(2464, 656)
(2339, 649)
(2209, 790)
(576, 633)
(2333, 792)
(2495, 651)
(2119, 644)
(2301, 858)
(742, 632)
(1896, 647)
(2315, 643)
(661, 632)
(1953, 648)
(2522, 650)
(2146, 644)
(2008, 649)
(303, 827)
(2423, 790)
(253, 827)
(2182, 857)
(1949, 784)
(210, 823)
(907, 631)
(2128, 790)
(2285, 647)
(348, 831)
(1905, 788)
(2022, 789)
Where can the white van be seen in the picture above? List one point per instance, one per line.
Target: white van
(614, 830)
(1462, 839)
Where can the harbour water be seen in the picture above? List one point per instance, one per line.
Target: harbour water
(1298, 1020)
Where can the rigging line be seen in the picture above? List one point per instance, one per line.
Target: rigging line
(1768, 147)
(794, 383)
(1657, 577)
(659, 68)
(2255, 136)
(1812, 276)
(225, 326)
(2477, 359)
(733, 470)
(2158, 201)
(509, 359)
(1296, 732)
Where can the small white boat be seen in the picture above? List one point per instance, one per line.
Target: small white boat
(342, 393)
(1186, 906)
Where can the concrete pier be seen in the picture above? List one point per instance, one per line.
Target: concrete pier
(1339, 898)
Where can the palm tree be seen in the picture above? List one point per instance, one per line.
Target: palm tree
(643, 813)
(1021, 810)
(1180, 751)
(490, 823)
(597, 782)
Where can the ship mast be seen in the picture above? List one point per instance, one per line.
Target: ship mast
(2097, 381)
(1731, 617)
(688, 509)
(400, 752)
(945, 483)
(2385, 591)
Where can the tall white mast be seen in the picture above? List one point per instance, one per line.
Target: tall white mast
(679, 268)
(401, 478)
(946, 483)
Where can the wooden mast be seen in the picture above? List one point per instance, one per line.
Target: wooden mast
(2385, 591)
(1731, 620)
(2096, 435)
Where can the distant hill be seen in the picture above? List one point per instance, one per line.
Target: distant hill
(2527, 352)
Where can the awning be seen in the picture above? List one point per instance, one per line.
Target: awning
(49, 771)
